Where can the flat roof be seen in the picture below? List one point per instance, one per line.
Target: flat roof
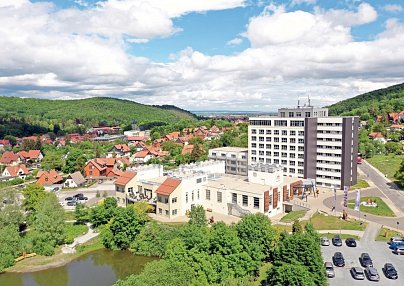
(237, 183)
(154, 181)
(230, 149)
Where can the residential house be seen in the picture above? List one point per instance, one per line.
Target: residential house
(124, 185)
(120, 150)
(17, 171)
(214, 129)
(75, 180)
(169, 198)
(378, 136)
(4, 144)
(31, 156)
(49, 178)
(147, 153)
(99, 167)
(9, 158)
(134, 140)
(393, 117)
(172, 136)
(187, 149)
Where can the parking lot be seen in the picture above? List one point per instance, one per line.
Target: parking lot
(380, 254)
(91, 193)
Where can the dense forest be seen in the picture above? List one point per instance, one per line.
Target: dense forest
(30, 116)
(371, 104)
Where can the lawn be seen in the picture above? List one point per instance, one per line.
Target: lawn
(324, 222)
(359, 185)
(387, 164)
(74, 230)
(385, 234)
(292, 216)
(70, 216)
(382, 208)
(342, 235)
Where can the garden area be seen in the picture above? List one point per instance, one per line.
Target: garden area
(292, 216)
(361, 184)
(385, 234)
(381, 208)
(387, 164)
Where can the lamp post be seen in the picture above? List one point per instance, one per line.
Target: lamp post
(397, 226)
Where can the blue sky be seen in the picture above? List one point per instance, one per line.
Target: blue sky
(201, 54)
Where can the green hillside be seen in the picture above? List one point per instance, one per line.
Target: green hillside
(27, 116)
(371, 104)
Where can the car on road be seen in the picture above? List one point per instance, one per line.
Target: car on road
(390, 271)
(365, 260)
(329, 269)
(338, 259)
(69, 199)
(357, 273)
(55, 189)
(325, 241)
(398, 250)
(351, 242)
(336, 240)
(372, 274)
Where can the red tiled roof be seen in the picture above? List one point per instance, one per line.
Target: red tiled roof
(136, 138)
(187, 149)
(4, 142)
(53, 177)
(168, 186)
(376, 135)
(142, 154)
(34, 154)
(8, 157)
(123, 160)
(122, 147)
(125, 178)
(13, 170)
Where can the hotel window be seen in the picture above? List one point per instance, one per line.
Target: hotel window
(276, 132)
(284, 147)
(276, 147)
(268, 139)
(261, 146)
(292, 155)
(261, 160)
(284, 132)
(256, 203)
(292, 163)
(301, 141)
(297, 123)
(254, 159)
(276, 154)
(254, 138)
(284, 155)
(292, 133)
(234, 198)
(208, 195)
(199, 180)
(292, 148)
(253, 131)
(174, 212)
(307, 114)
(301, 133)
(219, 197)
(276, 139)
(253, 145)
(292, 140)
(291, 114)
(253, 152)
(167, 213)
(300, 171)
(192, 195)
(269, 132)
(261, 139)
(268, 146)
(300, 164)
(268, 153)
(261, 153)
(174, 200)
(186, 197)
(268, 161)
(284, 162)
(284, 140)
(270, 200)
(261, 131)
(300, 148)
(197, 194)
(276, 161)
(245, 200)
(160, 211)
(300, 156)
(298, 114)
(292, 170)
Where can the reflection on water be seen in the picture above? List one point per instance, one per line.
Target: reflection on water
(99, 268)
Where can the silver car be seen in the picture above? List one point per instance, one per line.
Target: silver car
(329, 269)
(357, 273)
(398, 250)
(372, 274)
(325, 241)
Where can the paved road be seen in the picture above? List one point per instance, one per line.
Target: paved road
(391, 222)
(388, 188)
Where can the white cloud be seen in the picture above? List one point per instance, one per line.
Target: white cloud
(235, 42)
(299, 2)
(393, 8)
(365, 14)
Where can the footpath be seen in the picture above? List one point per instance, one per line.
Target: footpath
(71, 248)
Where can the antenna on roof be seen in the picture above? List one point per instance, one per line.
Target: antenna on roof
(298, 103)
(308, 97)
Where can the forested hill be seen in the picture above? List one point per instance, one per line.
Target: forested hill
(371, 104)
(28, 116)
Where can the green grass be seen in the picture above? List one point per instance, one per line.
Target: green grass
(385, 234)
(323, 222)
(93, 244)
(292, 216)
(74, 230)
(342, 235)
(281, 227)
(387, 164)
(382, 208)
(360, 185)
(70, 216)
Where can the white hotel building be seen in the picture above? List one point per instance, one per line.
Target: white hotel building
(307, 144)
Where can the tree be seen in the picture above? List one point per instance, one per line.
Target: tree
(393, 148)
(49, 226)
(198, 153)
(81, 213)
(198, 216)
(34, 196)
(9, 245)
(289, 274)
(101, 214)
(399, 175)
(38, 144)
(51, 161)
(75, 161)
(297, 227)
(12, 139)
(28, 144)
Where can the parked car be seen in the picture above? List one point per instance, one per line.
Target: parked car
(329, 269)
(79, 195)
(357, 273)
(365, 260)
(82, 198)
(351, 242)
(55, 189)
(372, 274)
(398, 250)
(396, 239)
(336, 240)
(338, 259)
(68, 199)
(325, 241)
(396, 244)
(389, 271)
(71, 203)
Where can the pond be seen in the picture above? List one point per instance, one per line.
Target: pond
(98, 268)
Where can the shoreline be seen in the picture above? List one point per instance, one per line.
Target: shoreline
(40, 263)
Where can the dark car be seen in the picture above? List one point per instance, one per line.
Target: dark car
(389, 271)
(372, 274)
(79, 195)
(351, 242)
(82, 198)
(336, 240)
(69, 199)
(357, 273)
(338, 259)
(365, 260)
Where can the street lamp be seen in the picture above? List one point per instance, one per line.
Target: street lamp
(397, 226)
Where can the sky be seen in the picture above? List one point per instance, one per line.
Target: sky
(201, 54)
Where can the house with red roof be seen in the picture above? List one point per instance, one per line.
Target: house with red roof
(147, 153)
(9, 158)
(172, 135)
(99, 167)
(125, 184)
(169, 198)
(378, 136)
(31, 156)
(4, 144)
(187, 149)
(14, 172)
(119, 150)
(49, 178)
